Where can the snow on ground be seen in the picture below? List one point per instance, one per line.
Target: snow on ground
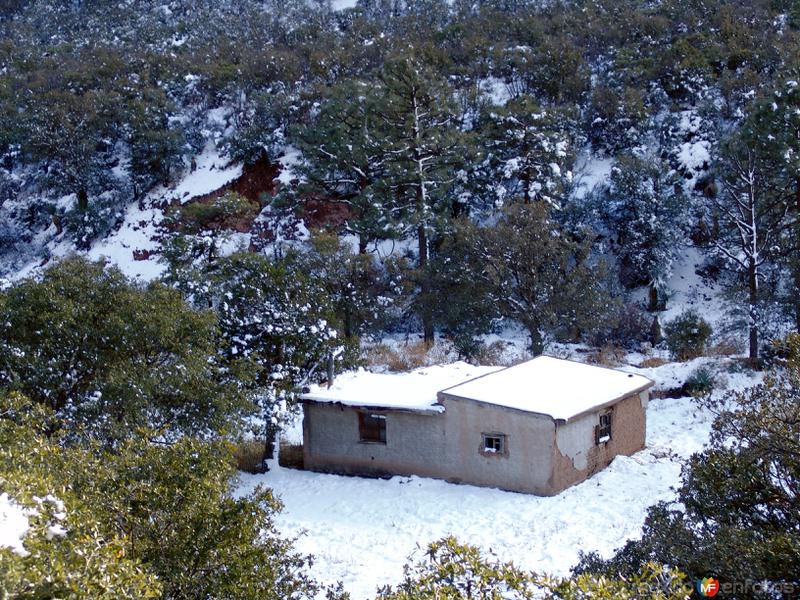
(689, 291)
(361, 531)
(135, 246)
(211, 173)
(13, 524)
(290, 158)
(495, 90)
(342, 4)
(590, 171)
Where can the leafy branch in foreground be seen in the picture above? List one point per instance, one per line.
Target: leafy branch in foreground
(452, 571)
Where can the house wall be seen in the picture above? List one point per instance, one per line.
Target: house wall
(527, 464)
(414, 443)
(575, 454)
(543, 456)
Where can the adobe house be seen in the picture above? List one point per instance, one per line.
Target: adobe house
(537, 427)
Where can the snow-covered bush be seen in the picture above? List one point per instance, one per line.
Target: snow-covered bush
(700, 383)
(687, 335)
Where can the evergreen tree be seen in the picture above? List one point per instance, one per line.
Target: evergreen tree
(528, 153)
(425, 152)
(644, 210)
(199, 232)
(141, 520)
(154, 144)
(352, 283)
(278, 318)
(772, 129)
(537, 274)
(344, 160)
(753, 220)
(616, 118)
(261, 123)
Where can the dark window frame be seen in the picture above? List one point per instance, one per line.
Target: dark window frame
(371, 428)
(494, 444)
(604, 427)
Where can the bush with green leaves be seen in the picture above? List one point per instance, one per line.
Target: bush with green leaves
(67, 551)
(142, 520)
(355, 287)
(687, 335)
(454, 571)
(626, 325)
(538, 274)
(700, 383)
(109, 356)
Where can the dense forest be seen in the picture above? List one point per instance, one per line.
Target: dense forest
(393, 109)
(466, 136)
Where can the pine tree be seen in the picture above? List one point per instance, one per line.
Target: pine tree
(109, 357)
(528, 153)
(352, 282)
(772, 129)
(537, 274)
(344, 160)
(644, 210)
(425, 151)
(276, 317)
(753, 220)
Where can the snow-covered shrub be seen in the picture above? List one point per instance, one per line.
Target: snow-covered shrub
(628, 326)
(687, 335)
(700, 383)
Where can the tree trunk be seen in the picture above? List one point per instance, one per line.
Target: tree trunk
(656, 335)
(362, 243)
(425, 285)
(83, 199)
(422, 234)
(270, 438)
(752, 284)
(348, 322)
(654, 303)
(537, 343)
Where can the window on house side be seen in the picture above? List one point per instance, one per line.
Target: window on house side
(372, 428)
(603, 430)
(494, 443)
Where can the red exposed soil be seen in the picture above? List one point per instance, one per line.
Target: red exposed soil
(256, 180)
(324, 213)
(259, 183)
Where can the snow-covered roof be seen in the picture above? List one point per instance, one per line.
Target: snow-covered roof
(551, 386)
(415, 390)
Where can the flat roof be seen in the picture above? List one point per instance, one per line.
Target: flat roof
(415, 390)
(559, 388)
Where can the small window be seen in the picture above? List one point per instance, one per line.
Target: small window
(372, 428)
(603, 429)
(494, 443)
